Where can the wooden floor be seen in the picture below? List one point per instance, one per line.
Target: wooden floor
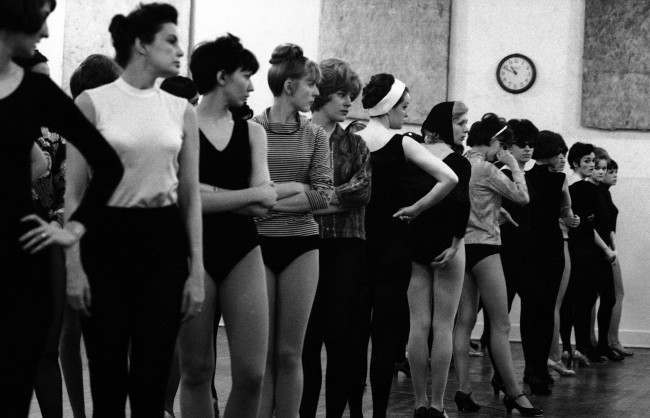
(608, 390)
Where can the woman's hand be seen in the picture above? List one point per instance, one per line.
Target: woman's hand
(45, 235)
(267, 194)
(444, 257)
(193, 295)
(408, 213)
(508, 159)
(572, 221)
(78, 291)
(610, 254)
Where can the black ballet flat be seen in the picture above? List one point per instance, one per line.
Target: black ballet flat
(610, 353)
(538, 386)
(510, 402)
(465, 403)
(434, 413)
(421, 412)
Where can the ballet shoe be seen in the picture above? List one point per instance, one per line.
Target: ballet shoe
(434, 413)
(560, 368)
(510, 402)
(465, 403)
(622, 350)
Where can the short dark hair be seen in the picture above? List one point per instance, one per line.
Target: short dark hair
(601, 153)
(179, 86)
(288, 62)
(142, 23)
(577, 151)
(523, 131)
(377, 88)
(226, 54)
(612, 165)
(29, 62)
(96, 70)
(23, 16)
(485, 130)
(241, 112)
(549, 144)
(336, 75)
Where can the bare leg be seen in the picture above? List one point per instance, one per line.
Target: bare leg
(465, 321)
(419, 298)
(197, 357)
(295, 295)
(617, 311)
(268, 387)
(447, 288)
(245, 312)
(173, 382)
(556, 351)
(491, 283)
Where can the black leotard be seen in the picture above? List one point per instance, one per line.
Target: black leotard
(433, 231)
(227, 236)
(385, 235)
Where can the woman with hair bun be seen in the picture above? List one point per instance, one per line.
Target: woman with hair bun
(489, 139)
(387, 215)
(300, 167)
(549, 201)
(438, 257)
(139, 271)
(29, 101)
(235, 186)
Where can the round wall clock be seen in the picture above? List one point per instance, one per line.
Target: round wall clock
(516, 73)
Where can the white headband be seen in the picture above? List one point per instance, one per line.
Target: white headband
(390, 100)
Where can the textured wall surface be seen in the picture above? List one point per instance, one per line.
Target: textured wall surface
(407, 38)
(86, 29)
(616, 78)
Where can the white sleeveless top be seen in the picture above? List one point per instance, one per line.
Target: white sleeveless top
(145, 127)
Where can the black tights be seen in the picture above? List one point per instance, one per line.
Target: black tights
(539, 295)
(48, 385)
(136, 262)
(333, 321)
(382, 314)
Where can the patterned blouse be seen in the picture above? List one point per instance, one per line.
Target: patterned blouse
(48, 190)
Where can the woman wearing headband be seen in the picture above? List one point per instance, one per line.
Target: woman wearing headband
(489, 139)
(300, 167)
(387, 214)
(438, 257)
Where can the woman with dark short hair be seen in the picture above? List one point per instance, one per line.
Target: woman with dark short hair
(342, 249)
(139, 271)
(489, 140)
(436, 243)
(549, 201)
(29, 101)
(387, 99)
(301, 169)
(235, 186)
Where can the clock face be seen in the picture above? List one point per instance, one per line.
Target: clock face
(516, 73)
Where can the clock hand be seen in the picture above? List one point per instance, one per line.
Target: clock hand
(513, 70)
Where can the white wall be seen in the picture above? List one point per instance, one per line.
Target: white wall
(551, 33)
(52, 47)
(261, 26)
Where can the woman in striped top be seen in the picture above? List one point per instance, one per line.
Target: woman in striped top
(300, 166)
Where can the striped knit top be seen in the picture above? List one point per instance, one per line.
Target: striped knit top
(297, 151)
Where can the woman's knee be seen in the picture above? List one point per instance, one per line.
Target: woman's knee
(248, 381)
(500, 325)
(420, 326)
(288, 358)
(195, 370)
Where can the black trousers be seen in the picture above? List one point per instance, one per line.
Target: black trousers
(136, 263)
(591, 277)
(25, 320)
(334, 321)
(384, 302)
(538, 297)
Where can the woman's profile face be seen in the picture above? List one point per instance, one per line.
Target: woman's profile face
(585, 166)
(303, 92)
(164, 52)
(24, 44)
(557, 163)
(398, 114)
(600, 168)
(460, 129)
(238, 87)
(522, 152)
(337, 107)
